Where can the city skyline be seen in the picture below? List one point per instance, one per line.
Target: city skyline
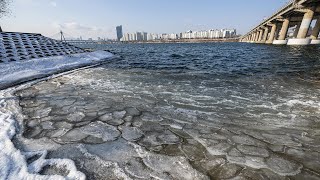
(77, 17)
(190, 34)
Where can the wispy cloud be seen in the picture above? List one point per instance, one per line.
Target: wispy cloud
(75, 29)
(53, 3)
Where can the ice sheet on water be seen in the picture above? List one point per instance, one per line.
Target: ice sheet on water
(13, 164)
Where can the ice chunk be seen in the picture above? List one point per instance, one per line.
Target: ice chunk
(63, 125)
(151, 127)
(282, 166)
(213, 163)
(226, 171)
(101, 130)
(128, 118)
(76, 117)
(132, 112)
(131, 133)
(252, 150)
(194, 153)
(150, 140)
(47, 125)
(215, 136)
(118, 114)
(280, 140)
(146, 116)
(33, 123)
(137, 169)
(219, 149)
(176, 166)
(33, 132)
(247, 140)
(235, 152)
(116, 151)
(115, 122)
(168, 137)
(57, 133)
(74, 135)
(42, 112)
(106, 117)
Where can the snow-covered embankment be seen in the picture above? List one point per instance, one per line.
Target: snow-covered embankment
(14, 73)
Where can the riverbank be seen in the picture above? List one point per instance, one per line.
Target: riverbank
(185, 41)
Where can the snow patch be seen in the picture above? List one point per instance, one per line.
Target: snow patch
(16, 72)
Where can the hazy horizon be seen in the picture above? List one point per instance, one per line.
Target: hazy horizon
(99, 18)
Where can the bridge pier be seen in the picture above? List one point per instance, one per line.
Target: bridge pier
(315, 33)
(296, 31)
(303, 30)
(265, 35)
(283, 33)
(257, 37)
(252, 38)
(272, 34)
(260, 36)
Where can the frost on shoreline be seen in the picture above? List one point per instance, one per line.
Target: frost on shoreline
(14, 73)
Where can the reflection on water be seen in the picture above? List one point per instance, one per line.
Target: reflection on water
(185, 111)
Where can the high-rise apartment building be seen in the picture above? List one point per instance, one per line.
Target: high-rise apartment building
(119, 32)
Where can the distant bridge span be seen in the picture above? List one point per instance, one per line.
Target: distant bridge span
(75, 42)
(298, 14)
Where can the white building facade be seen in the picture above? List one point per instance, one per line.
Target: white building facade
(204, 34)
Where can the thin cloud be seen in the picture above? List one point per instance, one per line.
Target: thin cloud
(53, 3)
(76, 29)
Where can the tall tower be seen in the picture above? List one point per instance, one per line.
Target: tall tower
(119, 32)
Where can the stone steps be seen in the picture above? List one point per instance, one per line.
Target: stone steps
(24, 46)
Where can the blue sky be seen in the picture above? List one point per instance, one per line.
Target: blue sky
(98, 18)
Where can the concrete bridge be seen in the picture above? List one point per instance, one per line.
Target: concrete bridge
(75, 42)
(81, 41)
(297, 15)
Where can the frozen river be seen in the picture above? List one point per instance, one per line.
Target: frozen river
(182, 111)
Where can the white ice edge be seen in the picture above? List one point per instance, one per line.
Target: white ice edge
(15, 72)
(13, 162)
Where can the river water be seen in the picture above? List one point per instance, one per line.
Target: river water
(183, 111)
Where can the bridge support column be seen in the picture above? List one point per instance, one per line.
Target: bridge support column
(256, 36)
(303, 30)
(260, 36)
(265, 35)
(272, 34)
(283, 33)
(315, 33)
(295, 33)
(252, 37)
